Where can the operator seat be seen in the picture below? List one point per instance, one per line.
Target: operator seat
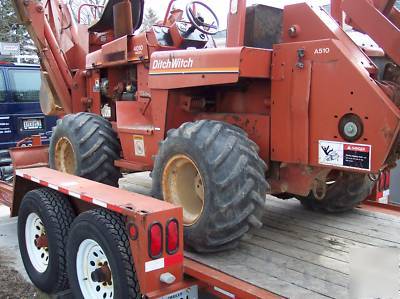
(106, 21)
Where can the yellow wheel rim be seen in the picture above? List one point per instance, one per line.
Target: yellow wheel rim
(182, 184)
(65, 156)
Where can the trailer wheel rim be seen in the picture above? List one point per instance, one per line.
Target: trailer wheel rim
(65, 156)
(91, 259)
(39, 256)
(182, 185)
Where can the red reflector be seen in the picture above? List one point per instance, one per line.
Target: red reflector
(155, 240)
(172, 236)
(133, 231)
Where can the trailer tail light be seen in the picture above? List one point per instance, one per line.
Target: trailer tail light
(155, 240)
(172, 236)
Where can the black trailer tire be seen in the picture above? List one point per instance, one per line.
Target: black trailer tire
(232, 176)
(5, 162)
(84, 144)
(54, 215)
(107, 230)
(346, 193)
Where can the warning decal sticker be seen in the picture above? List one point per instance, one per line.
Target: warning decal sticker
(346, 155)
(138, 142)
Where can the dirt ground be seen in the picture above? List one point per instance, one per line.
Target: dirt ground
(13, 285)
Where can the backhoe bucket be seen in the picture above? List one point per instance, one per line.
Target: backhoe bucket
(49, 102)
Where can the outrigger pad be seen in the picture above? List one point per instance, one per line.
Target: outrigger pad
(106, 21)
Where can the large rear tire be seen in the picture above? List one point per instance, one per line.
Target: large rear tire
(44, 220)
(346, 192)
(85, 145)
(100, 263)
(212, 169)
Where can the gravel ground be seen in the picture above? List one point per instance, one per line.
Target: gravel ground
(13, 285)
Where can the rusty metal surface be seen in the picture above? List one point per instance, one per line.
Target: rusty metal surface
(290, 122)
(315, 24)
(122, 18)
(252, 124)
(6, 194)
(327, 107)
(32, 156)
(296, 179)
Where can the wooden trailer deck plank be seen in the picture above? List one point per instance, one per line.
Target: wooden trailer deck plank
(351, 235)
(298, 253)
(252, 266)
(346, 238)
(344, 221)
(275, 236)
(309, 270)
(318, 259)
(303, 249)
(332, 242)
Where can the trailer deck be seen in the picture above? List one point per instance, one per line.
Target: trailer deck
(298, 253)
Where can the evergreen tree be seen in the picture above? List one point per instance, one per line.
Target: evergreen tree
(150, 18)
(87, 13)
(11, 31)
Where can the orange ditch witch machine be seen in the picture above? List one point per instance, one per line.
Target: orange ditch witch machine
(292, 106)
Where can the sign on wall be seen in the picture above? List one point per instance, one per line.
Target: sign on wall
(10, 49)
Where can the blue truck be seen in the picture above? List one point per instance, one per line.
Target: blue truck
(20, 113)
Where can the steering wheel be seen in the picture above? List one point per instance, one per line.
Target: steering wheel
(199, 22)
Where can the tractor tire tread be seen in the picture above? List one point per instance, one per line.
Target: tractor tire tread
(238, 175)
(97, 145)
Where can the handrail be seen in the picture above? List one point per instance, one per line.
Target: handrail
(168, 12)
(96, 6)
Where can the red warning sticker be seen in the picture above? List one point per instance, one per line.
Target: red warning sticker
(356, 156)
(357, 148)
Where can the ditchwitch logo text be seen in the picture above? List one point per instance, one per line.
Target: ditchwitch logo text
(175, 63)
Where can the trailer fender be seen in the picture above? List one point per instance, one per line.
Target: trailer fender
(149, 223)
